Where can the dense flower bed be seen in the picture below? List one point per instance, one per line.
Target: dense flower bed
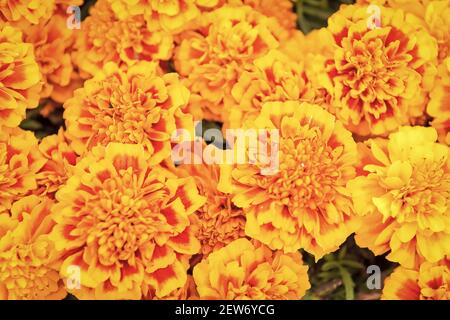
(100, 209)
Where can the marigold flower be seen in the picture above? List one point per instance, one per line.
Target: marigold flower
(125, 42)
(19, 162)
(274, 77)
(28, 259)
(403, 195)
(439, 106)
(218, 222)
(437, 18)
(52, 43)
(125, 224)
(381, 76)
(430, 282)
(302, 204)
(279, 9)
(24, 12)
(19, 79)
(173, 16)
(312, 51)
(133, 106)
(431, 14)
(225, 44)
(66, 3)
(243, 270)
(60, 161)
(186, 292)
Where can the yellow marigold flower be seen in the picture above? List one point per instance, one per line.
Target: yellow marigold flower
(52, 43)
(133, 106)
(274, 77)
(60, 161)
(403, 195)
(104, 38)
(243, 270)
(304, 203)
(170, 15)
(430, 282)
(218, 222)
(437, 18)
(28, 259)
(24, 12)
(301, 48)
(312, 51)
(439, 105)
(19, 162)
(381, 76)
(19, 79)
(294, 46)
(282, 10)
(225, 44)
(126, 224)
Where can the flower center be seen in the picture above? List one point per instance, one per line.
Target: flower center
(125, 218)
(307, 171)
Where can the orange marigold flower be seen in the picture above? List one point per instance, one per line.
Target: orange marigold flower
(282, 10)
(105, 38)
(381, 76)
(186, 292)
(403, 196)
(19, 79)
(218, 222)
(434, 15)
(66, 3)
(133, 106)
(439, 105)
(28, 259)
(274, 77)
(126, 224)
(430, 282)
(431, 14)
(304, 203)
(60, 161)
(52, 43)
(24, 12)
(243, 270)
(225, 44)
(19, 162)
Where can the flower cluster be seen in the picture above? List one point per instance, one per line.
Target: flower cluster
(357, 113)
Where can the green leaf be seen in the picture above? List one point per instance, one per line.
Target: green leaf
(31, 124)
(342, 252)
(348, 284)
(352, 264)
(330, 265)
